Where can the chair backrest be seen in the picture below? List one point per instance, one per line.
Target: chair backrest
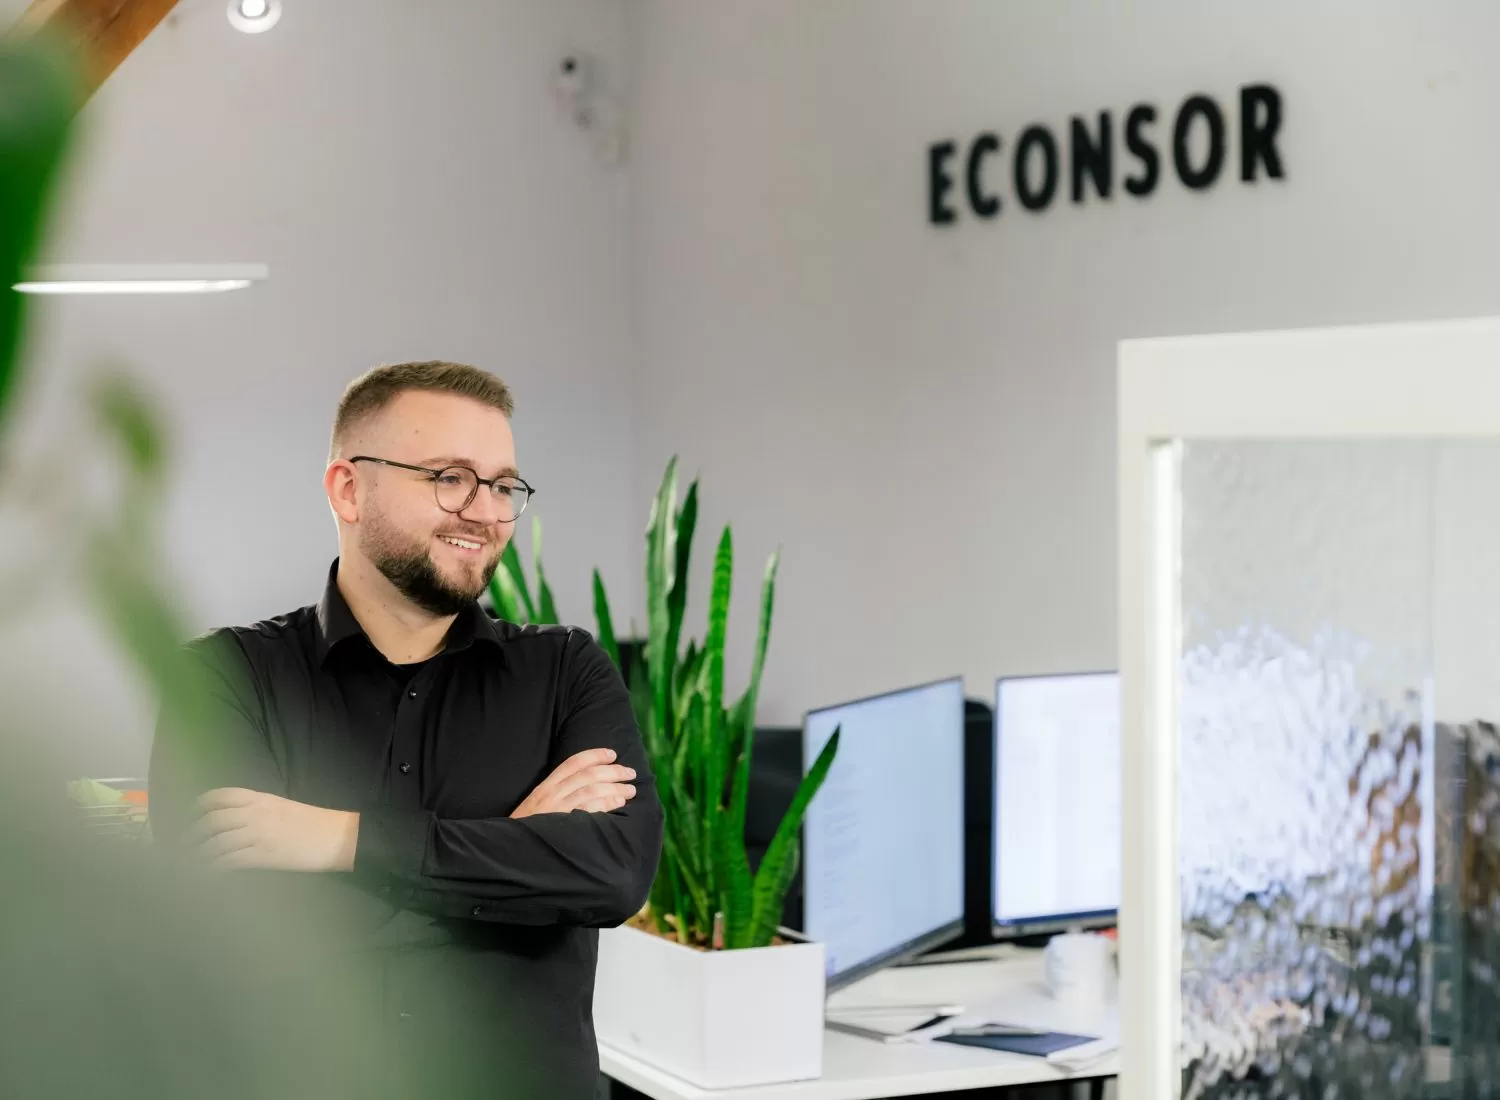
(979, 822)
(775, 772)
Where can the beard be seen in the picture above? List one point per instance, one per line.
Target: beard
(407, 564)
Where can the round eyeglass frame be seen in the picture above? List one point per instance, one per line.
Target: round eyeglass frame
(435, 473)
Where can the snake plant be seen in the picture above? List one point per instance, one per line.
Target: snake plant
(705, 893)
(510, 591)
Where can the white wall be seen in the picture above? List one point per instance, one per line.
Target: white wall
(924, 417)
(406, 174)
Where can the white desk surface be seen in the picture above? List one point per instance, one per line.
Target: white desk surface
(1009, 990)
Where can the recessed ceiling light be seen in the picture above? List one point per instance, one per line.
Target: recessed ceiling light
(254, 16)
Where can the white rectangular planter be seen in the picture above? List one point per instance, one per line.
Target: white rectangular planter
(716, 1019)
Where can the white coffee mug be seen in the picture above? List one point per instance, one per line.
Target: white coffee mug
(1080, 967)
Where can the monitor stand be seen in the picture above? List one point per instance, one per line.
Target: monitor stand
(864, 1021)
(989, 952)
(1040, 933)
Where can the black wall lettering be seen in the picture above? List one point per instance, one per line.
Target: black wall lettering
(968, 176)
(985, 205)
(1258, 130)
(1145, 183)
(1034, 137)
(939, 183)
(1091, 157)
(1198, 178)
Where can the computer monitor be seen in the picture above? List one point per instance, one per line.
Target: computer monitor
(1057, 803)
(883, 839)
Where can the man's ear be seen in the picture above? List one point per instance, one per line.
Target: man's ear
(338, 483)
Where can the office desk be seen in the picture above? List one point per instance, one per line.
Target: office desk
(854, 1068)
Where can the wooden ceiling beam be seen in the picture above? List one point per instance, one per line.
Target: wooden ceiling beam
(104, 32)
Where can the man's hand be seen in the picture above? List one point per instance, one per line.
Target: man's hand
(590, 781)
(241, 828)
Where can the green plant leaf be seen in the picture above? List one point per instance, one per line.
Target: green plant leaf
(606, 623)
(683, 753)
(736, 898)
(742, 723)
(686, 522)
(663, 897)
(505, 598)
(684, 695)
(510, 565)
(712, 750)
(763, 630)
(546, 607)
(131, 602)
(780, 862)
(39, 91)
(699, 747)
(660, 549)
(716, 744)
(739, 736)
(696, 896)
(640, 702)
(671, 875)
(126, 413)
(687, 675)
(123, 583)
(695, 859)
(718, 620)
(686, 706)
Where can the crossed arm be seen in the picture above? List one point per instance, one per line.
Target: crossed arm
(582, 848)
(240, 828)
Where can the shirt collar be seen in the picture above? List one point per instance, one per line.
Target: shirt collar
(337, 624)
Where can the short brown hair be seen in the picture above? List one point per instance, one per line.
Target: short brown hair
(377, 388)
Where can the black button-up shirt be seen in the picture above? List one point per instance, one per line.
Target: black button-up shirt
(483, 925)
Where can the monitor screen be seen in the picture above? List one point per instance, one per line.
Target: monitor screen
(883, 839)
(1057, 800)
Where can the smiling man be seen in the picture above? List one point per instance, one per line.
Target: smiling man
(470, 797)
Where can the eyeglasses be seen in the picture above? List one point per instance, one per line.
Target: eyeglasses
(456, 486)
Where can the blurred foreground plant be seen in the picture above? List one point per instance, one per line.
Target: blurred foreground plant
(121, 973)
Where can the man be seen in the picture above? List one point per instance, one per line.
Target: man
(469, 799)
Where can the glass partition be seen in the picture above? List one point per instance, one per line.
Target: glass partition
(1337, 824)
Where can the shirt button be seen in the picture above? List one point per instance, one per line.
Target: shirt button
(405, 768)
(412, 694)
(474, 912)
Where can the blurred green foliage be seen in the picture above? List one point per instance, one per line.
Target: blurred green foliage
(123, 973)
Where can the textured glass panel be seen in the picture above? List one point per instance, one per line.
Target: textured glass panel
(1307, 835)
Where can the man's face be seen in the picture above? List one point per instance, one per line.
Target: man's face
(402, 530)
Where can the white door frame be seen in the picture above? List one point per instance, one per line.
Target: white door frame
(1431, 380)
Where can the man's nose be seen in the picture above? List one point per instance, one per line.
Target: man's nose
(483, 509)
